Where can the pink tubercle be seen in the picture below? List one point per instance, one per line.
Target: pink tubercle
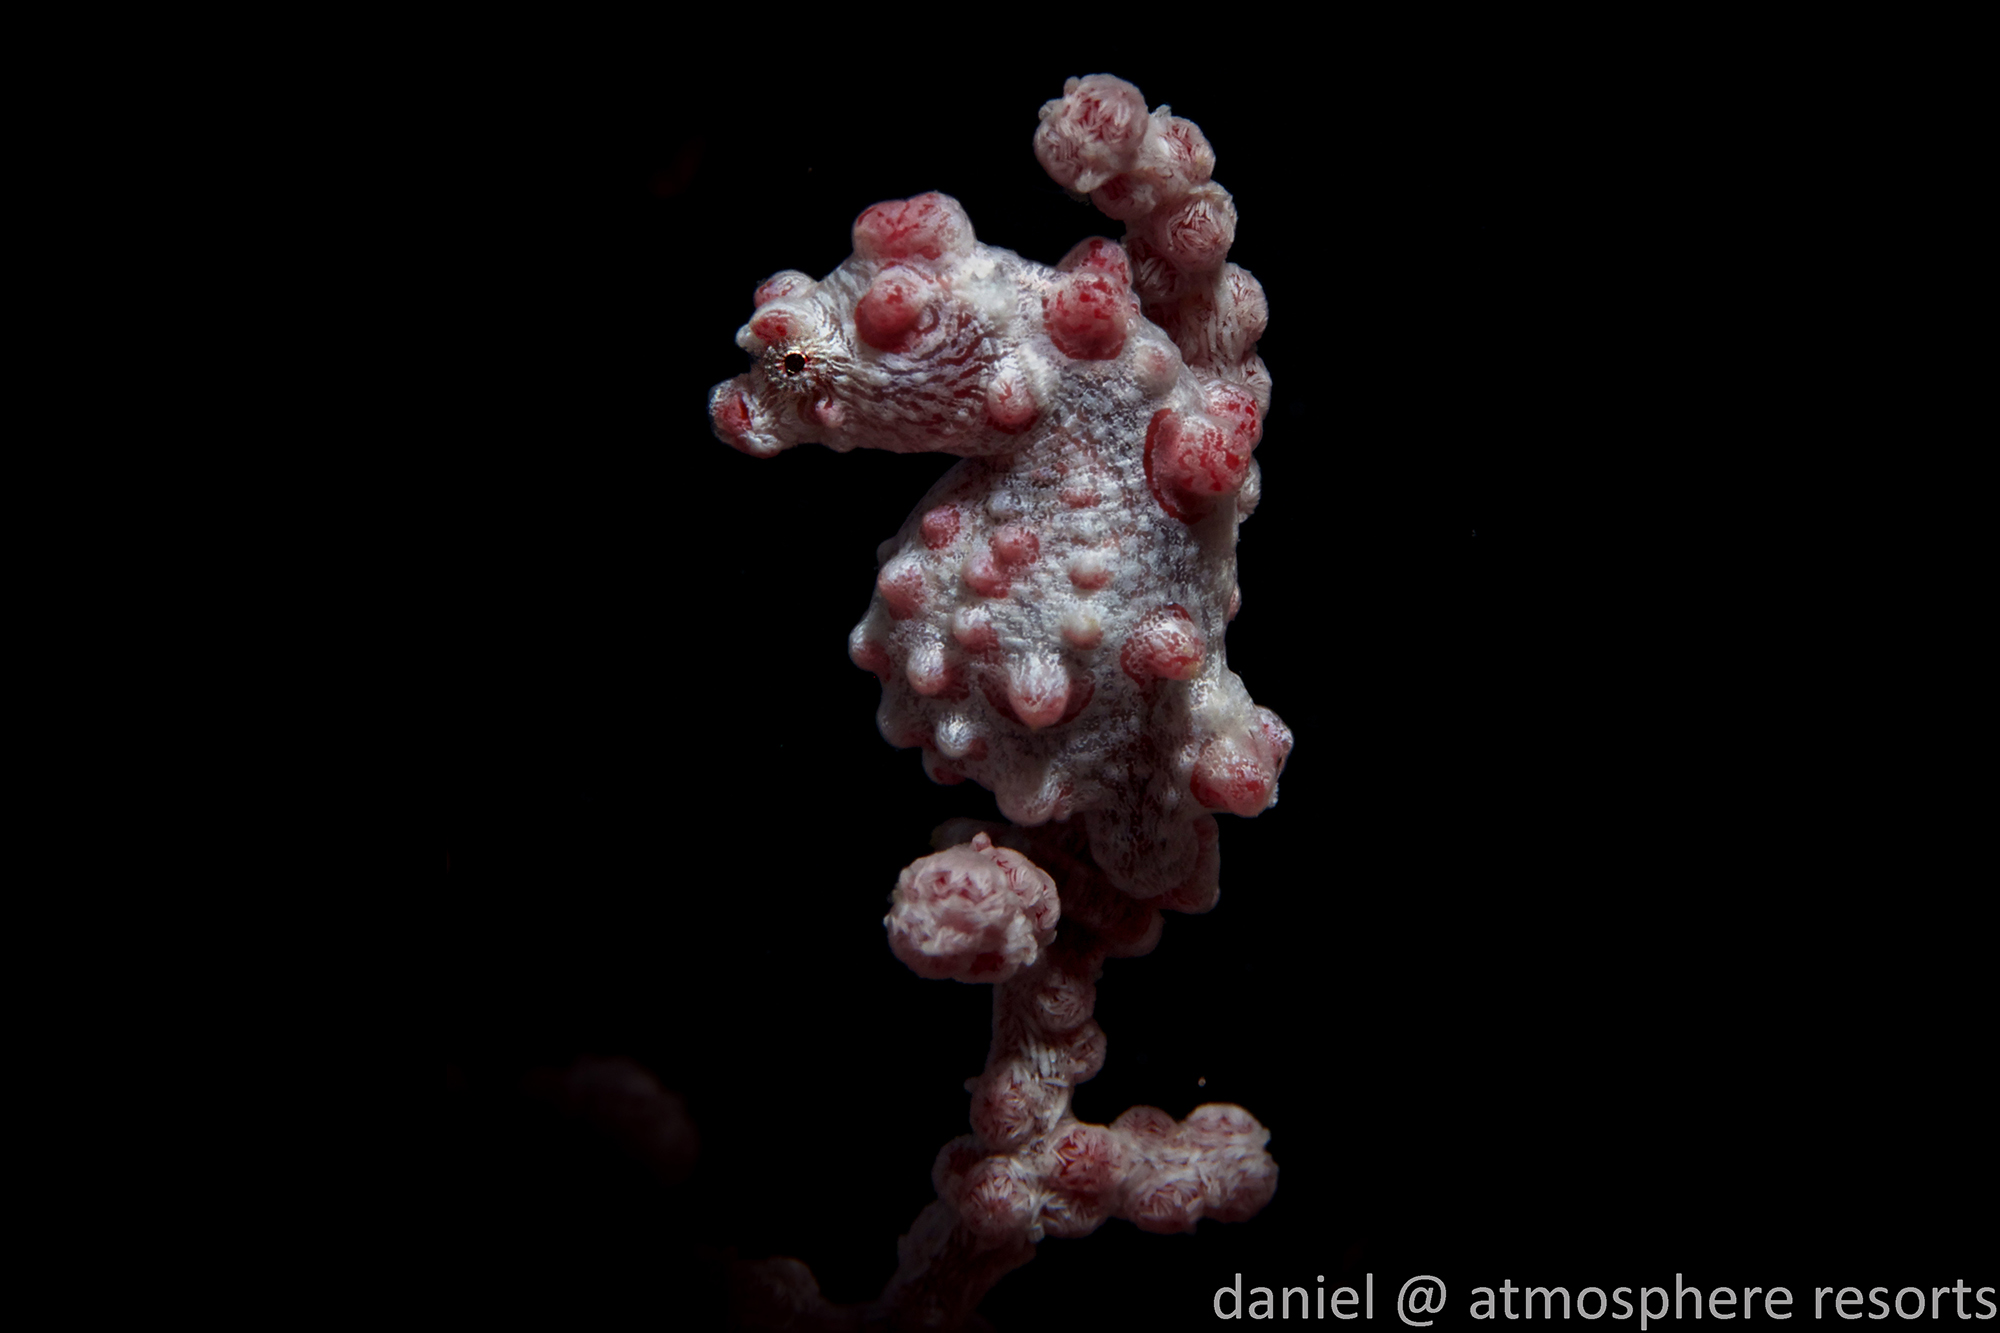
(1277, 735)
(1089, 573)
(1228, 776)
(773, 326)
(933, 675)
(1099, 255)
(733, 418)
(1166, 645)
(895, 312)
(1236, 409)
(1085, 317)
(870, 655)
(790, 282)
(901, 584)
(1082, 688)
(939, 526)
(1038, 691)
(1161, 432)
(1010, 402)
(1156, 368)
(1016, 545)
(972, 628)
(987, 575)
(1200, 458)
(929, 226)
(1081, 630)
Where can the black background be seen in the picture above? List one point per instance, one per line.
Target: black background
(1568, 955)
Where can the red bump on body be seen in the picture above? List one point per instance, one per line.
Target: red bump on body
(987, 576)
(1161, 434)
(1229, 776)
(952, 739)
(1010, 403)
(1016, 545)
(1165, 645)
(1194, 458)
(1038, 691)
(791, 282)
(732, 419)
(773, 327)
(1085, 317)
(1082, 630)
(1236, 410)
(901, 583)
(1082, 688)
(932, 675)
(1158, 366)
(1101, 256)
(929, 226)
(870, 655)
(940, 526)
(973, 628)
(895, 311)
(1090, 573)
(1277, 735)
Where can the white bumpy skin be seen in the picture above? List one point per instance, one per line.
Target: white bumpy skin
(1049, 621)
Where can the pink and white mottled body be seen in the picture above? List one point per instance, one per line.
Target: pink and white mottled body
(1049, 621)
